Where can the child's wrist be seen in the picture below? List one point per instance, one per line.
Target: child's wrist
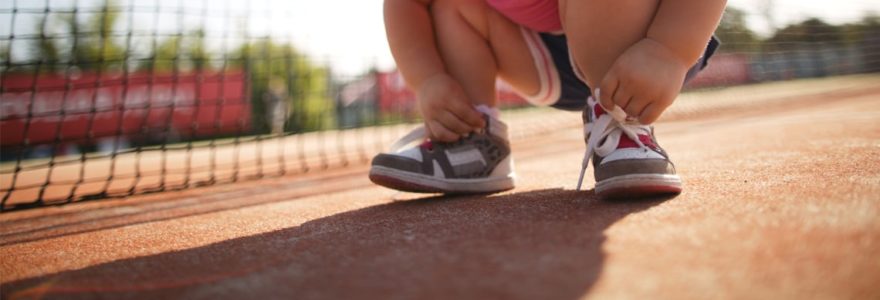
(668, 52)
(418, 82)
(429, 79)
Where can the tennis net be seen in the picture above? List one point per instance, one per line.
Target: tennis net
(110, 99)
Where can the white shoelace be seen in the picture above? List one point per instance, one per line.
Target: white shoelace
(604, 135)
(416, 135)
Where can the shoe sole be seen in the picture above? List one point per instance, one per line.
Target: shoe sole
(638, 186)
(420, 183)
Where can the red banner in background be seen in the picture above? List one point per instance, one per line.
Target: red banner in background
(394, 95)
(723, 70)
(140, 105)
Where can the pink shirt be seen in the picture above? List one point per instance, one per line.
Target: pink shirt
(538, 15)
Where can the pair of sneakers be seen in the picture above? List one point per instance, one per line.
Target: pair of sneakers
(627, 160)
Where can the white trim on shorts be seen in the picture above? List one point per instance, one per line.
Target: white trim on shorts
(575, 69)
(551, 85)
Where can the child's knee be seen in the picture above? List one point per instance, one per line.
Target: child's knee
(445, 7)
(472, 12)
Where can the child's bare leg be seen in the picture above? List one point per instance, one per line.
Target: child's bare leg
(451, 52)
(477, 45)
(599, 31)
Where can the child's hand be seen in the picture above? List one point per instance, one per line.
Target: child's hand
(448, 113)
(643, 81)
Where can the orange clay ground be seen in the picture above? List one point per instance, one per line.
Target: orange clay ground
(781, 200)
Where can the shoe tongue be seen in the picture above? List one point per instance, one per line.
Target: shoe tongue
(598, 110)
(427, 144)
(617, 113)
(626, 142)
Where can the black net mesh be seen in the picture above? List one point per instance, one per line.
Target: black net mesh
(115, 98)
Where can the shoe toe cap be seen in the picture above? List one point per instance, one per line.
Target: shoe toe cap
(624, 167)
(397, 162)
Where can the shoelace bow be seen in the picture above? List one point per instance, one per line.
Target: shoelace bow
(603, 136)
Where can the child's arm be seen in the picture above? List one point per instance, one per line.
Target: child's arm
(648, 76)
(411, 38)
(685, 26)
(442, 102)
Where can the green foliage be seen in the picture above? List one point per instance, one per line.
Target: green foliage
(867, 29)
(813, 31)
(270, 66)
(6, 64)
(181, 53)
(198, 52)
(736, 36)
(304, 87)
(94, 47)
(46, 49)
(164, 57)
(734, 32)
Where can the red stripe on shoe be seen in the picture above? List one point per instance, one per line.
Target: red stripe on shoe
(626, 142)
(597, 110)
(427, 144)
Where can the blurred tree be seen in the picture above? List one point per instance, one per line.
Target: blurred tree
(164, 57)
(273, 66)
(866, 36)
(181, 52)
(855, 33)
(6, 62)
(198, 52)
(88, 45)
(45, 49)
(94, 47)
(5, 54)
(734, 32)
(811, 31)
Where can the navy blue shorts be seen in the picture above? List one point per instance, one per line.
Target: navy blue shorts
(560, 85)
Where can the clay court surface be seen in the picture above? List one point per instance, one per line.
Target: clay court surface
(781, 201)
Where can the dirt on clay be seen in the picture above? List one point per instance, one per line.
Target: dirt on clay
(781, 200)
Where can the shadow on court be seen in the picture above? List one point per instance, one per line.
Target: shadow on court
(165, 207)
(536, 244)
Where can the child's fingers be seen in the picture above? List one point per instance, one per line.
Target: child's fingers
(467, 114)
(454, 123)
(636, 105)
(440, 133)
(623, 97)
(651, 113)
(606, 91)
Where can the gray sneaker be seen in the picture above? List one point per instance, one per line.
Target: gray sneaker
(478, 163)
(627, 160)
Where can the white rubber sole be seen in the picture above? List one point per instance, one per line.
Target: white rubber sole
(420, 183)
(638, 185)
